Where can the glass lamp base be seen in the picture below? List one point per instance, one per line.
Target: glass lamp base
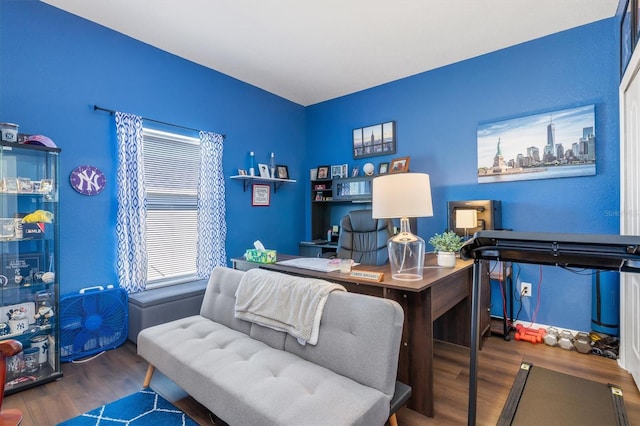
(406, 277)
(406, 256)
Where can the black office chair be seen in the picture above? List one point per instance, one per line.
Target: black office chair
(363, 238)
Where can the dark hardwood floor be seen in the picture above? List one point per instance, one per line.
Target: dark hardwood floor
(120, 372)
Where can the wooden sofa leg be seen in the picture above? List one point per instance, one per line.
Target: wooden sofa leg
(393, 421)
(147, 378)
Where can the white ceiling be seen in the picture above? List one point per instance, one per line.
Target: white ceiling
(309, 51)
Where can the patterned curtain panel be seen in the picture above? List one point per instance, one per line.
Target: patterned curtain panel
(212, 224)
(132, 204)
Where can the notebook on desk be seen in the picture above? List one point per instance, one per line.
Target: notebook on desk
(313, 263)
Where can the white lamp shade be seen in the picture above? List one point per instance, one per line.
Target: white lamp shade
(466, 218)
(401, 195)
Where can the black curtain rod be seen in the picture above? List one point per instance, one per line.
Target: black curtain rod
(111, 111)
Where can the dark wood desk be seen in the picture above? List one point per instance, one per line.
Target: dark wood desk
(436, 307)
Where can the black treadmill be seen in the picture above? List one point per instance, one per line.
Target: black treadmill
(601, 252)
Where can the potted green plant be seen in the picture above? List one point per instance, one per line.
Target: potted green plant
(446, 245)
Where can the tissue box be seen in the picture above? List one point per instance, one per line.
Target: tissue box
(260, 256)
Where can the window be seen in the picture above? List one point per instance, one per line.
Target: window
(171, 168)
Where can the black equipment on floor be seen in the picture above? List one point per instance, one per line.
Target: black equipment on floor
(540, 396)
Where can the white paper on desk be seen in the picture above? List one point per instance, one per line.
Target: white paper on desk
(313, 263)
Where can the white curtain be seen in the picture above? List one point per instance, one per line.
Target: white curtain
(132, 204)
(212, 225)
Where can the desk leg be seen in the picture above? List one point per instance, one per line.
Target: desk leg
(415, 366)
(475, 336)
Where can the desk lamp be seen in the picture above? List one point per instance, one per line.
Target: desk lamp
(403, 195)
(466, 218)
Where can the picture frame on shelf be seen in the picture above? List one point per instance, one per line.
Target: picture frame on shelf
(242, 172)
(282, 171)
(264, 171)
(260, 195)
(377, 139)
(339, 171)
(400, 165)
(383, 168)
(323, 172)
(355, 171)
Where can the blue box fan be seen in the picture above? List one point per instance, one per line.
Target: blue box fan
(92, 321)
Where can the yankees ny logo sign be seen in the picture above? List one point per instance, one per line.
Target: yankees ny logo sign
(87, 180)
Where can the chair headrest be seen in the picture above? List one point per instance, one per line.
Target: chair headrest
(361, 221)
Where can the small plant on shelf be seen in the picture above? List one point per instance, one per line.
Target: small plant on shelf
(447, 241)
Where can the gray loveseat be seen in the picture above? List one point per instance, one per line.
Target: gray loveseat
(247, 374)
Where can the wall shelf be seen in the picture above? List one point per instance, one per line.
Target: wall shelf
(248, 180)
(330, 198)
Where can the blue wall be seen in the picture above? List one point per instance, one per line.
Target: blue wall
(55, 66)
(437, 114)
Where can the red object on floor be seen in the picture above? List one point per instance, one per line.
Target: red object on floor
(10, 416)
(533, 335)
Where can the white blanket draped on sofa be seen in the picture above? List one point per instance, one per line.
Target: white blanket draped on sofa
(284, 303)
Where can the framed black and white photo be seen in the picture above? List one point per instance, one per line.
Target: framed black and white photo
(264, 171)
(378, 139)
(383, 168)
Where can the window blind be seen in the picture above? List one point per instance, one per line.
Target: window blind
(171, 167)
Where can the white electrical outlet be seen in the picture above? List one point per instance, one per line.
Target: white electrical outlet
(525, 289)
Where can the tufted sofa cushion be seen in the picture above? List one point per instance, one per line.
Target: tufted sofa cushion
(247, 382)
(250, 375)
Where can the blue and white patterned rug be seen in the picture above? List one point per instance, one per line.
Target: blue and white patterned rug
(144, 408)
